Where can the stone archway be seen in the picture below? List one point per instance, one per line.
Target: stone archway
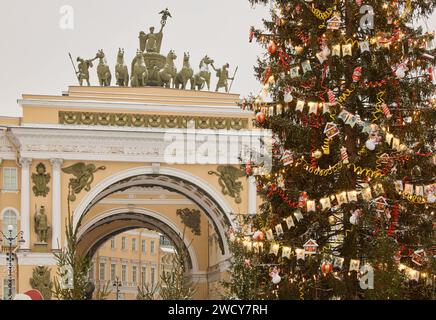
(101, 228)
(176, 180)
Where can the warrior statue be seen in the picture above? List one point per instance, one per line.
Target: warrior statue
(41, 225)
(83, 73)
(223, 77)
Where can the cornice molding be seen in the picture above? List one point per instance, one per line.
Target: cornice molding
(156, 108)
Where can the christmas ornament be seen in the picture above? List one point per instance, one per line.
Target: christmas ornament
(344, 155)
(400, 71)
(275, 277)
(354, 265)
(418, 257)
(380, 204)
(386, 111)
(317, 154)
(288, 158)
(323, 54)
(258, 236)
(326, 267)
(331, 130)
(335, 22)
(370, 144)
(279, 230)
(272, 47)
(260, 117)
(288, 96)
(355, 216)
(310, 247)
(357, 74)
(338, 263)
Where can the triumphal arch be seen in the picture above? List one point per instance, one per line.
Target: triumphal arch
(126, 156)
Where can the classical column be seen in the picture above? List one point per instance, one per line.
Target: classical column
(252, 195)
(56, 203)
(25, 201)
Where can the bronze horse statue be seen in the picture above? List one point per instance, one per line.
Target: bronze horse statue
(103, 71)
(185, 75)
(139, 71)
(121, 70)
(203, 77)
(168, 74)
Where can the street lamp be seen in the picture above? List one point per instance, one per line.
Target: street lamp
(9, 257)
(117, 284)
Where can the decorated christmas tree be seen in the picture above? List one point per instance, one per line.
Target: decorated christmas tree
(347, 90)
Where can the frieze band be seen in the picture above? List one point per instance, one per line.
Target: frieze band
(149, 121)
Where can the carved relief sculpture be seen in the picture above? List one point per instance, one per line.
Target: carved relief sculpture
(41, 281)
(228, 180)
(84, 176)
(40, 181)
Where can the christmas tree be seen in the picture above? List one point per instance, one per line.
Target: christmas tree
(347, 90)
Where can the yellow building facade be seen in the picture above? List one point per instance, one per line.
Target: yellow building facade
(130, 260)
(155, 151)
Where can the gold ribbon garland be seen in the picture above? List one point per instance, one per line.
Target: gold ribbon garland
(378, 109)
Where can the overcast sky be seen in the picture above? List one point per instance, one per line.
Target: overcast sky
(34, 48)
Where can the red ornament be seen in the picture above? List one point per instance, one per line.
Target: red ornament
(357, 74)
(258, 236)
(326, 267)
(272, 47)
(260, 117)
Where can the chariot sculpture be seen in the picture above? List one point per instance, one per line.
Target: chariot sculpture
(150, 68)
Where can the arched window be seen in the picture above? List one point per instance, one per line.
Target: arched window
(9, 218)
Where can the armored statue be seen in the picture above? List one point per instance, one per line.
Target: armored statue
(223, 77)
(41, 225)
(167, 75)
(83, 73)
(121, 70)
(228, 180)
(103, 71)
(203, 77)
(84, 176)
(185, 75)
(40, 181)
(41, 281)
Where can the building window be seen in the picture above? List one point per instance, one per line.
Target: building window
(123, 243)
(102, 271)
(91, 272)
(143, 246)
(152, 275)
(113, 243)
(113, 271)
(164, 241)
(10, 219)
(6, 289)
(151, 247)
(134, 274)
(133, 244)
(143, 274)
(124, 273)
(10, 181)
